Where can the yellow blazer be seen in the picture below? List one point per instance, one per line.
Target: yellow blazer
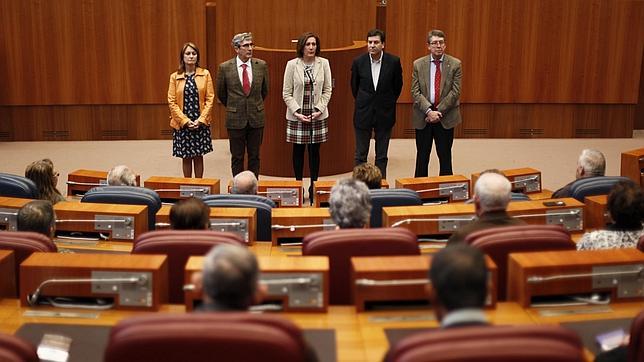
(175, 97)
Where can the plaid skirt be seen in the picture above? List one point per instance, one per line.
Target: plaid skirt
(316, 131)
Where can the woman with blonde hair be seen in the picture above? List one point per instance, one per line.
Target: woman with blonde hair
(42, 173)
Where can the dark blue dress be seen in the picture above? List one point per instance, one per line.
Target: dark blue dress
(188, 143)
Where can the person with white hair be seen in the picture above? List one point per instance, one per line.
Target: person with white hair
(491, 197)
(121, 175)
(591, 163)
(350, 204)
(244, 183)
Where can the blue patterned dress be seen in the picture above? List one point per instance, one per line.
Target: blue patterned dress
(187, 143)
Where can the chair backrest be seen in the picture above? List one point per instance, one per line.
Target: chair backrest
(499, 242)
(23, 243)
(128, 195)
(636, 343)
(17, 186)
(341, 245)
(528, 343)
(390, 197)
(179, 245)
(263, 205)
(206, 337)
(14, 349)
(591, 186)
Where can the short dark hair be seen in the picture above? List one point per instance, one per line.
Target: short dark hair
(37, 216)
(230, 277)
(626, 205)
(436, 33)
(301, 42)
(190, 214)
(458, 275)
(369, 174)
(377, 32)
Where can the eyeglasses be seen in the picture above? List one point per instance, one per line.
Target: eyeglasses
(248, 45)
(437, 43)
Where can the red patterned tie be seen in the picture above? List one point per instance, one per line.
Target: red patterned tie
(245, 80)
(437, 83)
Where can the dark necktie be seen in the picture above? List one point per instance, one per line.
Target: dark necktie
(245, 80)
(437, 83)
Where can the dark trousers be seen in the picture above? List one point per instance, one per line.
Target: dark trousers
(314, 160)
(363, 137)
(242, 141)
(444, 138)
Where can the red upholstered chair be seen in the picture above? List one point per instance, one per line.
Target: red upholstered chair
(636, 344)
(640, 244)
(14, 349)
(206, 337)
(179, 245)
(499, 242)
(23, 243)
(341, 245)
(530, 343)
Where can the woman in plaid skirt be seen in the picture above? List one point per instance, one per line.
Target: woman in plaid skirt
(306, 92)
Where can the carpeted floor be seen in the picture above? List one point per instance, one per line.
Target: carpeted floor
(556, 158)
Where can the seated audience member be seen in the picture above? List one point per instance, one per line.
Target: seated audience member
(514, 196)
(121, 175)
(230, 279)
(42, 173)
(491, 198)
(350, 204)
(244, 183)
(591, 163)
(626, 209)
(369, 174)
(190, 214)
(458, 288)
(37, 216)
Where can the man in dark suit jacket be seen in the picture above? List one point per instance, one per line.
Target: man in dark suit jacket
(458, 287)
(376, 82)
(242, 86)
(436, 92)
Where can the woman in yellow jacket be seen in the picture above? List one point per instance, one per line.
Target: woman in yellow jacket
(190, 98)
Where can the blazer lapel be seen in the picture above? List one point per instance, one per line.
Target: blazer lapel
(424, 76)
(233, 72)
(445, 70)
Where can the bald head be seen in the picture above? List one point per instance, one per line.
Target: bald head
(245, 183)
(492, 193)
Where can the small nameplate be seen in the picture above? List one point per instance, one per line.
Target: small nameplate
(452, 223)
(571, 222)
(629, 285)
(284, 196)
(455, 191)
(528, 183)
(193, 191)
(120, 227)
(138, 294)
(300, 295)
(9, 217)
(237, 226)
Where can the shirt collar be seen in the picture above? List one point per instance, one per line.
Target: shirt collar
(465, 315)
(442, 59)
(239, 62)
(382, 54)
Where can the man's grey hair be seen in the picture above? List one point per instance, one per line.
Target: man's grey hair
(121, 175)
(592, 162)
(230, 276)
(350, 204)
(244, 183)
(37, 216)
(239, 38)
(436, 33)
(493, 192)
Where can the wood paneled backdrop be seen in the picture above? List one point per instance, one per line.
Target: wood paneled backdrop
(98, 69)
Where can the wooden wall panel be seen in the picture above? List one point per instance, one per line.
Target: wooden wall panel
(517, 51)
(94, 51)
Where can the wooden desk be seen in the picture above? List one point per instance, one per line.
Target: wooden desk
(632, 165)
(292, 225)
(322, 191)
(9, 207)
(177, 188)
(8, 274)
(545, 194)
(80, 181)
(400, 278)
(554, 273)
(86, 216)
(525, 180)
(149, 293)
(285, 193)
(596, 216)
(293, 297)
(373, 324)
(93, 246)
(444, 219)
(455, 188)
(240, 220)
